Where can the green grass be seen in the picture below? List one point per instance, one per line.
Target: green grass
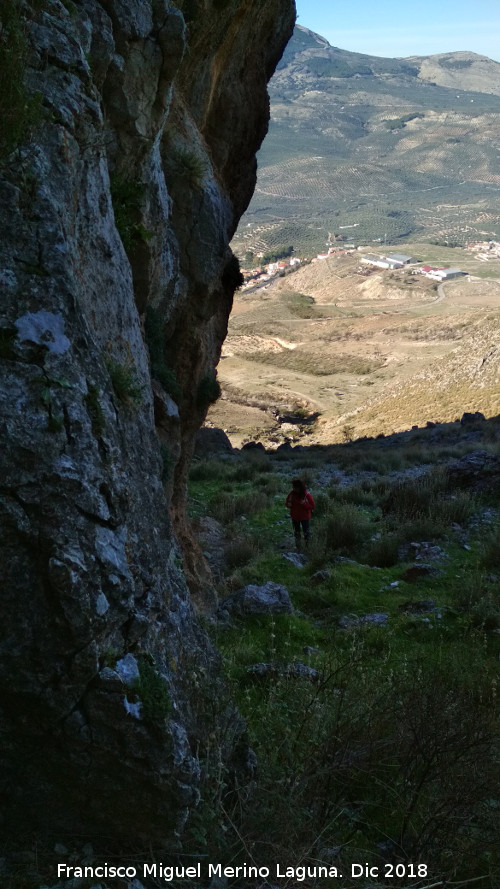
(400, 724)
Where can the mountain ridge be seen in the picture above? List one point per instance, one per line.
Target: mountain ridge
(388, 145)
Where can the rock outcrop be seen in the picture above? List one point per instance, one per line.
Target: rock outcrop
(117, 281)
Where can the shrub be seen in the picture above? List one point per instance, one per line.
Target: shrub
(20, 112)
(124, 381)
(225, 507)
(152, 691)
(206, 470)
(485, 612)
(361, 494)
(408, 757)
(155, 341)
(245, 472)
(239, 552)
(345, 528)
(490, 555)
(95, 411)
(409, 499)
(208, 390)
(270, 483)
(231, 277)
(259, 461)
(383, 553)
(7, 340)
(127, 197)
(167, 463)
(189, 166)
(322, 502)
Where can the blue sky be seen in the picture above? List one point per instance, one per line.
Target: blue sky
(390, 28)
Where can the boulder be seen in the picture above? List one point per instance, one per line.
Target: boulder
(253, 446)
(295, 670)
(320, 576)
(421, 551)
(469, 419)
(270, 598)
(297, 559)
(350, 622)
(423, 606)
(479, 470)
(211, 441)
(417, 572)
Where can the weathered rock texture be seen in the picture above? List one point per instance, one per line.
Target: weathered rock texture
(171, 115)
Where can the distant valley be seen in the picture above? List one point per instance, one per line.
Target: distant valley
(376, 150)
(336, 351)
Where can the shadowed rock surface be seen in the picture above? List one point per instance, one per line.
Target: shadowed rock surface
(270, 598)
(117, 281)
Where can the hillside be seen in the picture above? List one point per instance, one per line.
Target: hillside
(365, 665)
(376, 149)
(364, 352)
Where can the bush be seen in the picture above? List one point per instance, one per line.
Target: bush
(189, 166)
(155, 341)
(407, 758)
(7, 339)
(208, 390)
(345, 528)
(225, 508)
(95, 411)
(152, 691)
(239, 553)
(490, 555)
(127, 196)
(206, 470)
(384, 552)
(124, 381)
(20, 112)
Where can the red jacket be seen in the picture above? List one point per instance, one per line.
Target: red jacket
(300, 507)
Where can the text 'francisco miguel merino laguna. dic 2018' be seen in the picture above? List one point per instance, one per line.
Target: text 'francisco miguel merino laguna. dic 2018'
(169, 873)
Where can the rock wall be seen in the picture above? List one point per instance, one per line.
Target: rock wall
(116, 281)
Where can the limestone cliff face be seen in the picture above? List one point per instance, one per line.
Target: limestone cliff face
(116, 282)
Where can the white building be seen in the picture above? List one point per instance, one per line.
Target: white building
(444, 274)
(381, 262)
(401, 257)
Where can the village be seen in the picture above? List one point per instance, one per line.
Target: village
(369, 262)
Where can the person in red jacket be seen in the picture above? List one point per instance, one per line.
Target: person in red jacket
(301, 504)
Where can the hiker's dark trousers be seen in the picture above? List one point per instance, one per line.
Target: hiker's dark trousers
(305, 528)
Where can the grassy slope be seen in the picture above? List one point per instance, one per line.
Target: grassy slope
(390, 756)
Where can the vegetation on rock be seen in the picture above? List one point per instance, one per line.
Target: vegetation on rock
(20, 111)
(124, 381)
(155, 341)
(127, 197)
